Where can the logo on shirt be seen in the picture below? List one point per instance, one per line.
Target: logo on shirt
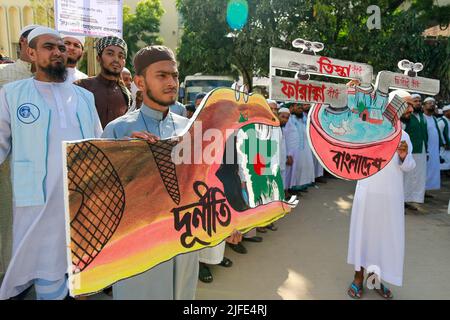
(28, 113)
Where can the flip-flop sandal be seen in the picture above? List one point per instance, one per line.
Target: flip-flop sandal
(272, 227)
(356, 290)
(261, 229)
(384, 292)
(204, 274)
(226, 262)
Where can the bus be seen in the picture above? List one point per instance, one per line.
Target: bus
(197, 83)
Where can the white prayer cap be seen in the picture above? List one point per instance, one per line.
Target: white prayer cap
(439, 111)
(429, 99)
(39, 31)
(126, 70)
(446, 108)
(80, 39)
(400, 93)
(416, 95)
(28, 28)
(284, 110)
(272, 101)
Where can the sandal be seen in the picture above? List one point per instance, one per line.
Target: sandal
(239, 248)
(272, 227)
(384, 292)
(261, 229)
(204, 274)
(226, 262)
(355, 291)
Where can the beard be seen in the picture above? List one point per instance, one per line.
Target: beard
(56, 73)
(149, 94)
(71, 61)
(158, 101)
(405, 119)
(111, 73)
(299, 115)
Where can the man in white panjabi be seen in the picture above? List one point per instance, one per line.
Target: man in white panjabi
(74, 46)
(433, 181)
(444, 127)
(301, 173)
(414, 180)
(21, 69)
(36, 115)
(377, 227)
(283, 116)
(318, 169)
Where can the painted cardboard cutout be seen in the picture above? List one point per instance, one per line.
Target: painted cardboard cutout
(131, 207)
(354, 132)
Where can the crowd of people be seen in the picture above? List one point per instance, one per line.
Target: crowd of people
(45, 99)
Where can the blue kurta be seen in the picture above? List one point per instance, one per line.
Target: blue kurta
(177, 277)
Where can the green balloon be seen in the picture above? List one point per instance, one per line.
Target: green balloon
(237, 14)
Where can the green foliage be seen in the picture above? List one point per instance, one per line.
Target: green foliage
(141, 28)
(206, 48)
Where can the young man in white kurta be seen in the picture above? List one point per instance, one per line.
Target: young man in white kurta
(377, 227)
(434, 140)
(444, 127)
(415, 180)
(301, 172)
(39, 236)
(74, 46)
(157, 77)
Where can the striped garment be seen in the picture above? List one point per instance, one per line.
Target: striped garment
(51, 290)
(14, 71)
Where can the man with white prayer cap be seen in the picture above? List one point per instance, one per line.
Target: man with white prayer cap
(127, 78)
(21, 69)
(75, 47)
(273, 106)
(444, 127)
(36, 115)
(433, 181)
(283, 116)
(415, 180)
(377, 227)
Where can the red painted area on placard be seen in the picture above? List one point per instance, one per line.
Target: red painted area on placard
(324, 145)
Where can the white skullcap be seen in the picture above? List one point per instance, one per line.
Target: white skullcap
(429, 99)
(39, 31)
(28, 28)
(446, 108)
(416, 95)
(439, 111)
(400, 93)
(284, 110)
(271, 101)
(126, 70)
(80, 39)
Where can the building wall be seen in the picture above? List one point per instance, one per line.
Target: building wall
(14, 15)
(170, 28)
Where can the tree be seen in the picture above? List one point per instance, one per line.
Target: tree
(44, 12)
(141, 28)
(340, 25)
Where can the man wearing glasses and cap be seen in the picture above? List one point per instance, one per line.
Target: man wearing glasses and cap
(74, 46)
(112, 98)
(36, 115)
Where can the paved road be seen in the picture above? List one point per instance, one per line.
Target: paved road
(306, 257)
